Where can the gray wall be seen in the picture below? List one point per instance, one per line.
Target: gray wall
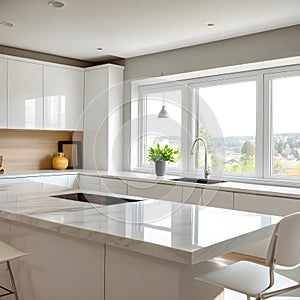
(269, 45)
(43, 56)
(263, 46)
(57, 59)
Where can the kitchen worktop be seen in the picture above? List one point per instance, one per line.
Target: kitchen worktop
(173, 231)
(230, 186)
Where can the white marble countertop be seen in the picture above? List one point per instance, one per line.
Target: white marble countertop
(230, 186)
(177, 232)
(35, 173)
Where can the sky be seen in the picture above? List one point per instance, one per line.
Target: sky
(230, 109)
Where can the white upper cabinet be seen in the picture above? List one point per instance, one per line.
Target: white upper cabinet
(25, 95)
(3, 93)
(63, 91)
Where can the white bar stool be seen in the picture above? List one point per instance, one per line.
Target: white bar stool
(8, 253)
(263, 282)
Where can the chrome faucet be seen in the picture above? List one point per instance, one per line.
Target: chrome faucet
(206, 172)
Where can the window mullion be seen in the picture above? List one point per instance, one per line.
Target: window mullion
(267, 127)
(142, 126)
(185, 128)
(260, 128)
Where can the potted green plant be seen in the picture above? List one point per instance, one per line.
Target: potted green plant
(160, 156)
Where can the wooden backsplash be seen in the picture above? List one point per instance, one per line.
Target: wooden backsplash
(31, 149)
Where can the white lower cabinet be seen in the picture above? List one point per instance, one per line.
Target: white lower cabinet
(266, 204)
(155, 191)
(4, 225)
(57, 180)
(4, 237)
(131, 276)
(192, 195)
(13, 180)
(3, 93)
(89, 183)
(72, 181)
(207, 197)
(63, 180)
(216, 198)
(57, 267)
(115, 186)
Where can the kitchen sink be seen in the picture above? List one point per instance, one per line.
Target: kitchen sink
(95, 198)
(198, 180)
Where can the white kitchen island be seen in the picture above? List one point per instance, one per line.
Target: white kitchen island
(146, 250)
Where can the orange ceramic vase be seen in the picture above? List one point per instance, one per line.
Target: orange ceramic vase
(59, 162)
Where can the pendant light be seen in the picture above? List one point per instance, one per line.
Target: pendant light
(163, 112)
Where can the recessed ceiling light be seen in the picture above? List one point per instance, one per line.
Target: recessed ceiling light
(56, 4)
(210, 24)
(99, 49)
(7, 24)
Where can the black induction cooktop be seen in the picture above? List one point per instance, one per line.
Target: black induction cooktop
(94, 198)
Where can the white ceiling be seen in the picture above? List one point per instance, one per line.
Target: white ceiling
(128, 28)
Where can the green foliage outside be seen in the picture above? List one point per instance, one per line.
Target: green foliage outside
(214, 163)
(165, 153)
(246, 162)
(240, 153)
(277, 166)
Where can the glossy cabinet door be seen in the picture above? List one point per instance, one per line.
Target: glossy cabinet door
(63, 93)
(155, 191)
(25, 95)
(278, 206)
(130, 275)
(89, 183)
(115, 186)
(103, 113)
(57, 265)
(95, 138)
(192, 195)
(216, 198)
(56, 180)
(3, 93)
(207, 197)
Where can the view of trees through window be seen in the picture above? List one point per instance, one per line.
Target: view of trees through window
(227, 120)
(285, 96)
(223, 110)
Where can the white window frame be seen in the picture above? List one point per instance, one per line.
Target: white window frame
(156, 88)
(236, 78)
(263, 154)
(268, 121)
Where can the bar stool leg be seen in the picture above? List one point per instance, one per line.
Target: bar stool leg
(12, 280)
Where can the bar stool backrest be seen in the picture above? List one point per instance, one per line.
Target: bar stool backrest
(284, 249)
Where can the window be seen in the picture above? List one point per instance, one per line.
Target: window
(284, 96)
(226, 118)
(160, 130)
(250, 121)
